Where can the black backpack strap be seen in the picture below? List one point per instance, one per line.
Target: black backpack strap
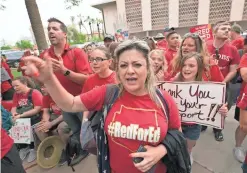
(164, 104)
(111, 94)
(29, 97)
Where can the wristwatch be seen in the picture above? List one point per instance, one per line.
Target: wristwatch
(66, 73)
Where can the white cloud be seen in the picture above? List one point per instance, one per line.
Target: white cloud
(15, 22)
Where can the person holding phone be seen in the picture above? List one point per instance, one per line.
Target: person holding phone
(136, 117)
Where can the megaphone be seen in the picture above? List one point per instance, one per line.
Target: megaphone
(49, 152)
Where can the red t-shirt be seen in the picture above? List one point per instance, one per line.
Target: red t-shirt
(6, 143)
(75, 60)
(5, 86)
(20, 100)
(94, 81)
(238, 43)
(169, 55)
(242, 98)
(6, 66)
(162, 45)
(228, 55)
(50, 104)
(131, 122)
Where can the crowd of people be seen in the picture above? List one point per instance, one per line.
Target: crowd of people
(63, 88)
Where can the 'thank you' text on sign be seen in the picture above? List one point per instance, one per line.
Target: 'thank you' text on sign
(198, 102)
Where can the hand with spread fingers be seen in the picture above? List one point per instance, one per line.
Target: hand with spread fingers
(58, 65)
(38, 68)
(152, 156)
(223, 110)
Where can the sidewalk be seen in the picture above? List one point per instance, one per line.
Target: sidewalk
(209, 156)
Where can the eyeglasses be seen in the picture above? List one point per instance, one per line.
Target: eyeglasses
(97, 59)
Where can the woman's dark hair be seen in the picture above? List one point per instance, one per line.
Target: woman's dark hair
(112, 48)
(26, 81)
(200, 64)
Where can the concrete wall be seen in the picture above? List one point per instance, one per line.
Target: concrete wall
(110, 16)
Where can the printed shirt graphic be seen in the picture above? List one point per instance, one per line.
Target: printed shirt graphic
(94, 81)
(50, 104)
(20, 100)
(131, 122)
(228, 55)
(242, 98)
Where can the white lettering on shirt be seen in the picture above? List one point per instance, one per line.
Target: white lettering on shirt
(133, 131)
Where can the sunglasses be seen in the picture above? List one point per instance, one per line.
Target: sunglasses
(217, 53)
(193, 35)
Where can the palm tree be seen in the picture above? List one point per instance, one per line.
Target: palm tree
(81, 24)
(89, 20)
(36, 23)
(99, 21)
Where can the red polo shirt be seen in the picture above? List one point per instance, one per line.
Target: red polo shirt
(74, 60)
(162, 44)
(169, 55)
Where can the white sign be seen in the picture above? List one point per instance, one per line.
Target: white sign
(21, 132)
(198, 102)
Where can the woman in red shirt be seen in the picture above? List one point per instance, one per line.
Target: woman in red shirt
(192, 67)
(100, 61)
(27, 103)
(193, 43)
(136, 118)
(159, 65)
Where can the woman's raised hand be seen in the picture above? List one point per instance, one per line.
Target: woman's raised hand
(38, 68)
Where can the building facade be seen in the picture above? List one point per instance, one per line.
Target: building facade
(148, 17)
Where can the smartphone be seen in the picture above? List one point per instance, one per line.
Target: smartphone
(139, 159)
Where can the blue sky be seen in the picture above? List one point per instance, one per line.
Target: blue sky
(15, 22)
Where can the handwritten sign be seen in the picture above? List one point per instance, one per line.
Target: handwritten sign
(21, 132)
(198, 102)
(204, 31)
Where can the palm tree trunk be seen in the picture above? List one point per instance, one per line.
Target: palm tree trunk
(98, 30)
(36, 23)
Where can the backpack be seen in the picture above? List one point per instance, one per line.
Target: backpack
(91, 138)
(73, 149)
(237, 78)
(35, 118)
(7, 122)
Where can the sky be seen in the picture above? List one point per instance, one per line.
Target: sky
(15, 24)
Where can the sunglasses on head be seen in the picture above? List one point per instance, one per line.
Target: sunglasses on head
(193, 35)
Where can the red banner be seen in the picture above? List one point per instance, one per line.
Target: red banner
(205, 31)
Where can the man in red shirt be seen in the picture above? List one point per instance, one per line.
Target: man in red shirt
(236, 39)
(172, 39)
(227, 58)
(10, 160)
(71, 68)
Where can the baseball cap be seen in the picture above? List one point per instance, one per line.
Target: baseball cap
(169, 29)
(237, 28)
(109, 36)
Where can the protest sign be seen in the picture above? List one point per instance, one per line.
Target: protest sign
(204, 31)
(21, 131)
(198, 102)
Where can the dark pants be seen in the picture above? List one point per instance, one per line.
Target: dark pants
(11, 162)
(8, 95)
(74, 120)
(230, 95)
